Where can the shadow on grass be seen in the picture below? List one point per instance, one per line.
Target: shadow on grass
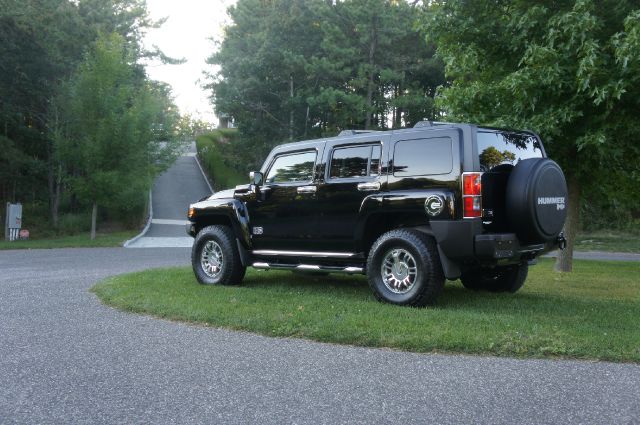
(525, 303)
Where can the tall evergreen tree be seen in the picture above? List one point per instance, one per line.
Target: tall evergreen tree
(291, 69)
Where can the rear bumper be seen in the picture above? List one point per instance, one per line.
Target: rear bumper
(464, 241)
(504, 247)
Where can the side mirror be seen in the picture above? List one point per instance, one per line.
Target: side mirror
(256, 178)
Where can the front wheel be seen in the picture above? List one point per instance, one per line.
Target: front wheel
(215, 258)
(404, 268)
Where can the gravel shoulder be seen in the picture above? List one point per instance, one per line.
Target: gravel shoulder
(67, 358)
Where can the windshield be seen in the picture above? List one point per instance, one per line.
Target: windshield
(497, 148)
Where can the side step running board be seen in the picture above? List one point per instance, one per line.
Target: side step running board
(309, 267)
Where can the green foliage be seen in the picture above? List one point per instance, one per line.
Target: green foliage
(588, 314)
(118, 129)
(44, 45)
(105, 121)
(215, 153)
(291, 69)
(569, 71)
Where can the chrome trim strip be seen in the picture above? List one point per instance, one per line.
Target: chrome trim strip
(368, 186)
(354, 270)
(269, 252)
(307, 189)
(310, 267)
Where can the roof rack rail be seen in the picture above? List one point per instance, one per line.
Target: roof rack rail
(354, 132)
(427, 123)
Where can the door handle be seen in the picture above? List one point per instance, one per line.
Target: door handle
(307, 189)
(369, 186)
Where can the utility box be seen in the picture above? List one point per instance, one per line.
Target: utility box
(13, 222)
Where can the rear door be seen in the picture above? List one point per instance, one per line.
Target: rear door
(352, 173)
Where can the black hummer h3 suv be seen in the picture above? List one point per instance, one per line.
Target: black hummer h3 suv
(408, 208)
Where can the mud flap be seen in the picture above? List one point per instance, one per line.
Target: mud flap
(450, 269)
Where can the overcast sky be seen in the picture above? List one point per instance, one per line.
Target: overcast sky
(186, 34)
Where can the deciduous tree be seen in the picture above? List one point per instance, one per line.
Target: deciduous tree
(569, 70)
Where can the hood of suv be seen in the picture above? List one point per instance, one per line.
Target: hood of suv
(223, 194)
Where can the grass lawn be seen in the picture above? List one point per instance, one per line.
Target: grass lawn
(593, 313)
(614, 241)
(81, 240)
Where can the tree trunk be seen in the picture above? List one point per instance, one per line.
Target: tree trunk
(371, 85)
(398, 110)
(291, 110)
(306, 122)
(94, 216)
(55, 192)
(564, 261)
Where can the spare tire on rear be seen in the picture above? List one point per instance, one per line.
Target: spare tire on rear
(536, 200)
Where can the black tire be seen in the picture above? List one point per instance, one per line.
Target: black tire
(428, 280)
(500, 279)
(230, 270)
(473, 280)
(536, 200)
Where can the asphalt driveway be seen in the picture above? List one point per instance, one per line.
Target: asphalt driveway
(66, 358)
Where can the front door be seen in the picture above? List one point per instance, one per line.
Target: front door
(283, 215)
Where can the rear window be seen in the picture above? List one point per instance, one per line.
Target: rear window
(422, 157)
(505, 148)
(357, 161)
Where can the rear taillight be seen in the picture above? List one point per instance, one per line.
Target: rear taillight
(472, 195)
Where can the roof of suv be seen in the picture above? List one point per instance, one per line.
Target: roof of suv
(420, 126)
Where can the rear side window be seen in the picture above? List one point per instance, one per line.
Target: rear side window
(422, 157)
(355, 161)
(297, 167)
(495, 148)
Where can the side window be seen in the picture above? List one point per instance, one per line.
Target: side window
(297, 167)
(356, 161)
(423, 157)
(376, 154)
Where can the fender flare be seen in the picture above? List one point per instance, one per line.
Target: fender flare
(233, 210)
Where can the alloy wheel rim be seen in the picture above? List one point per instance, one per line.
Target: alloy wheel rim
(399, 271)
(212, 259)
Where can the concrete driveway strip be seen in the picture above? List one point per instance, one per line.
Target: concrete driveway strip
(182, 184)
(66, 358)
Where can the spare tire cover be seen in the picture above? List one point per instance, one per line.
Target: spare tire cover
(536, 200)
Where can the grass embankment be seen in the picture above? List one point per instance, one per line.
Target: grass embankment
(592, 313)
(613, 241)
(211, 151)
(81, 240)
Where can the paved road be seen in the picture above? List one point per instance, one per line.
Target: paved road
(65, 358)
(173, 191)
(602, 255)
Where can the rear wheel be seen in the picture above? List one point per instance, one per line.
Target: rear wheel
(215, 258)
(404, 268)
(500, 279)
